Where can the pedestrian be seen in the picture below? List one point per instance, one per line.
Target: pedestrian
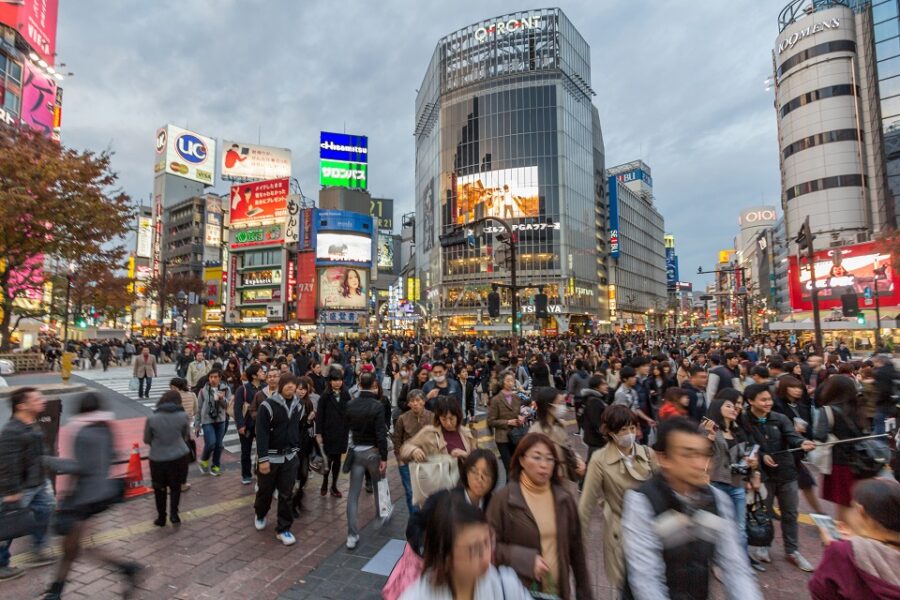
(551, 410)
(196, 371)
(105, 356)
(675, 526)
(774, 433)
(211, 403)
(535, 518)
(278, 423)
(168, 434)
(406, 427)
(446, 435)
(503, 415)
(594, 400)
(309, 399)
(145, 371)
(90, 492)
(695, 387)
(441, 385)
(183, 362)
(364, 417)
(886, 406)
(243, 398)
(865, 561)
(457, 558)
(676, 403)
(331, 430)
(23, 482)
(619, 466)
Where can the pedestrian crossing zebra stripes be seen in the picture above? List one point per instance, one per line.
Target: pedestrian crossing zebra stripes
(118, 380)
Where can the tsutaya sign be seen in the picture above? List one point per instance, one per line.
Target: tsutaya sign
(790, 41)
(504, 27)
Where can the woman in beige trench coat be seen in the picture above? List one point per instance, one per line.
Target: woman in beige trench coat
(619, 466)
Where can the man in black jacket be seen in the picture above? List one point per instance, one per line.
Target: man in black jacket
(364, 417)
(243, 397)
(277, 445)
(22, 479)
(775, 433)
(695, 387)
(594, 400)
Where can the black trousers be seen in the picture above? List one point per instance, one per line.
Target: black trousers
(506, 451)
(246, 455)
(281, 477)
(167, 478)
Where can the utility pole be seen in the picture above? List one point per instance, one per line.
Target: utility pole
(745, 322)
(879, 273)
(162, 303)
(805, 244)
(68, 298)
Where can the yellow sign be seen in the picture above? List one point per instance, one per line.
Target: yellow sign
(669, 241)
(725, 256)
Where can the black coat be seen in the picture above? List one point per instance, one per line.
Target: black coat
(540, 375)
(330, 422)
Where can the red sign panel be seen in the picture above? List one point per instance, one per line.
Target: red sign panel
(35, 20)
(839, 271)
(306, 287)
(259, 201)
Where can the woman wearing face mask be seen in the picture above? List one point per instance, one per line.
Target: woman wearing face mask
(619, 466)
(551, 409)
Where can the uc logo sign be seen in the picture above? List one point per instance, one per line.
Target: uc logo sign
(191, 148)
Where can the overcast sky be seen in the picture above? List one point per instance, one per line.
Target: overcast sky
(679, 84)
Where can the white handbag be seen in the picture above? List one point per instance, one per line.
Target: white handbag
(439, 472)
(385, 506)
(820, 458)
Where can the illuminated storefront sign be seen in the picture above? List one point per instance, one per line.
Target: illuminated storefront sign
(499, 28)
(265, 277)
(258, 236)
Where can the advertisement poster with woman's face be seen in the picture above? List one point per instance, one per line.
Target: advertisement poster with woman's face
(343, 287)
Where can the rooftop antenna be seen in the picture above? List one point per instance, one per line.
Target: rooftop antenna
(259, 134)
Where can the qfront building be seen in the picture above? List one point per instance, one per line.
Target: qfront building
(505, 128)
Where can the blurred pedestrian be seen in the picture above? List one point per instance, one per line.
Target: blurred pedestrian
(168, 434)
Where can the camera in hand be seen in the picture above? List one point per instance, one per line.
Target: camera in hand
(741, 468)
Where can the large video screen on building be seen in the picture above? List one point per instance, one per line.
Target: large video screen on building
(343, 287)
(505, 193)
(344, 247)
(845, 270)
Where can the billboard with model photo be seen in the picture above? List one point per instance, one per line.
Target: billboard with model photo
(343, 287)
(505, 193)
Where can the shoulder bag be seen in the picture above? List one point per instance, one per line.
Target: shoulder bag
(760, 531)
(15, 522)
(867, 457)
(820, 458)
(439, 472)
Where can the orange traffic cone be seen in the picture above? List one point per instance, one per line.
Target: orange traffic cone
(134, 478)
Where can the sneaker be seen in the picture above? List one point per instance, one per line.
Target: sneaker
(215, 471)
(762, 555)
(185, 487)
(246, 480)
(204, 466)
(352, 541)
(8, 573)
(757, 566)
(51, 596)
(39, 558)
(287, 538)
(796, 559)
(275, 494)
(260, 524)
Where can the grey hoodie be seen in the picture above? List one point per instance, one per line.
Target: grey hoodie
(167, 432)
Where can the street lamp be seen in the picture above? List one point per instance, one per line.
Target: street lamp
(878, 273)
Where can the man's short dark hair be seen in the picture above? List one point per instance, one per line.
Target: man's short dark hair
(438, 363)
(20, 395)
(716, 359)
(695, 369)
(214, 372)
(639, 361)
(251, 371)
(730, 355)
(579, 364)
(627, 373)
(777, 363)
(753, 390)
(366, 380)
(760, 371)
(665, 429)
(595, 381)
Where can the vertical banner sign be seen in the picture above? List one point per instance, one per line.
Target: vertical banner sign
(292, 231)
(671, 268)
(144, 237)
(307, 217)
(291, 281)
(230, 317)
(306, 287)
(613, 218)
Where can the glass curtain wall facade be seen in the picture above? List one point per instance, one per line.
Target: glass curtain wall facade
(886, 33)
(505, 128)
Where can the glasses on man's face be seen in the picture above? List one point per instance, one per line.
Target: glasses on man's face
(541, 458)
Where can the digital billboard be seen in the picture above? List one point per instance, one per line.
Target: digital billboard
(259, 201)
(344, 220)
(35, 20)
(671, 268)
(249, 162)
(185, 154)
(385, 250)
(614, 244)
(334, 173)
(343, 147)
(343, 287)
(39, 99)
(505, 193)
(343, 247)
(845, 270)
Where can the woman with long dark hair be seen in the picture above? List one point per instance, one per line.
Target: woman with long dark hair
(168, 434)
(351, 284)
(331, 430)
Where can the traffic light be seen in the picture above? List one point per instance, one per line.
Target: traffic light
(80, 322)
(540, 305)
(804, 236)
(861, 318)
(849, 305)
(494, 304)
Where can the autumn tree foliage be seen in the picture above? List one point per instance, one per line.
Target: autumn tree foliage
(56, 203)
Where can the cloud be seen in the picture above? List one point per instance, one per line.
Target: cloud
(678, 84)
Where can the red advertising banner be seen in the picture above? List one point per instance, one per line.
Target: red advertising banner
(306, 287)
(259, 201)
(845, 270)
(35, 20)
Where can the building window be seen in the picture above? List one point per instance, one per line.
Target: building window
(831, 91)
(838, 135)
(826, 183)
(884, 11)
(817, 50)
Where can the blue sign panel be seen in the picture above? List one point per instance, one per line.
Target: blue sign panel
(344, 220)
(635, 175)
(671, 268)
(613, 218)
(344, 147)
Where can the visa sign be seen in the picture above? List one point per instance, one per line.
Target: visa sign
(335, 173)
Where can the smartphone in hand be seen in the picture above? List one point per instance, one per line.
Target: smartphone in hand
(827, 523)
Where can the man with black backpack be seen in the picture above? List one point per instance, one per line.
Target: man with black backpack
(243, 397)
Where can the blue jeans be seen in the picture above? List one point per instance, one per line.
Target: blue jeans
(41, 501)
(213, 442)
(738, 497)
(878, 424)
(407, 487)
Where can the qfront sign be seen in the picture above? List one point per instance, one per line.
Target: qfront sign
(499, 28)
(791, 41)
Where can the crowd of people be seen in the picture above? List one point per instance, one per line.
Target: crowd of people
(690, 445)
